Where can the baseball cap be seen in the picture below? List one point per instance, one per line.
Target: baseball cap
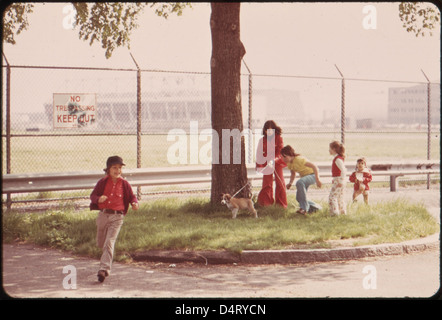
(114, 160)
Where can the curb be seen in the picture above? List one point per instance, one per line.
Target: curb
(339, 254)
(207, 257)
(290, 256)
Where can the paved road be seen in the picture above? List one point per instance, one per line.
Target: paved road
(30, 271)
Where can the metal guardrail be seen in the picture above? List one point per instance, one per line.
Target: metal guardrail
(41, 182)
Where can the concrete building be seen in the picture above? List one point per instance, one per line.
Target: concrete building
(408, 105)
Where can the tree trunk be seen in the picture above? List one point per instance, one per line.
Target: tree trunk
(229, 173)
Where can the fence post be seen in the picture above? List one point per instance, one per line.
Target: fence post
(342, 106)
(138, 121)
(250, 147)
(8, 127)
(428, 124)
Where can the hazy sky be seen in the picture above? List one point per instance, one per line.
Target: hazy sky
(280, 38)
(305, 39)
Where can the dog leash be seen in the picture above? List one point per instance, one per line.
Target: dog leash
(260, 172)
(240, 189)
(248, 182)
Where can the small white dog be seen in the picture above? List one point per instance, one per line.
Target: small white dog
(236, 204)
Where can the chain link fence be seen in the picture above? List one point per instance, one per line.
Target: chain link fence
(136, 111)
(169, 101)
(381, 120)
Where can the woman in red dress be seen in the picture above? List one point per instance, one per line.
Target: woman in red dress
(270, 163)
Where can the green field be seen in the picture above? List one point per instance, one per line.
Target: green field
(84, 153)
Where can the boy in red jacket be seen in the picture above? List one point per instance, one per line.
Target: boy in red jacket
(112, 195)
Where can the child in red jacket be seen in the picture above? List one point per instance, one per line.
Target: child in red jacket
(112, 195)
(361, 177)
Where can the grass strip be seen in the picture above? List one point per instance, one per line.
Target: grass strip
(193, 224)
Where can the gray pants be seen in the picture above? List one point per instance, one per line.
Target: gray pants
(108, 227)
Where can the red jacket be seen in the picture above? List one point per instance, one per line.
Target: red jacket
(128, 195)
(366, 178)
(263, 146)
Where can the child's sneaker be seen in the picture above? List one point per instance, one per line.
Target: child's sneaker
(102, 274)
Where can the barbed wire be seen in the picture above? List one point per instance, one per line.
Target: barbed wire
(208, 73)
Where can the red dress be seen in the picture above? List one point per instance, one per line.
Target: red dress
(263, 155)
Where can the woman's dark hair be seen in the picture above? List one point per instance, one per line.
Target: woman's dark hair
(289, 151)
(338, 147)
(270, 124)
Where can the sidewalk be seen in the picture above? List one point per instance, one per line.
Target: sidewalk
(34, 272)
